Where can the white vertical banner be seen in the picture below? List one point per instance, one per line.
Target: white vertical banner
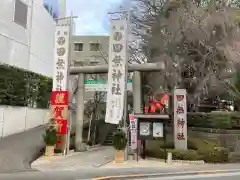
(117, 71)
(180, 119)
(133, 128)
(61, 58)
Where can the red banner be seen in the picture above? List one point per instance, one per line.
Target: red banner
(61, 126)
(59, 108)
(59, 98)
(59, 112)
(59, 140)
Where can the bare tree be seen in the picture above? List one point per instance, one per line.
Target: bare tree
(195, 41)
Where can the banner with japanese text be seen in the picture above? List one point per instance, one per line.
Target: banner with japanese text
(59, 107)
(61, 58)
(117, 71)
(60, 94)
(180, 119)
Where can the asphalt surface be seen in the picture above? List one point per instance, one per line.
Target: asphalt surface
(218, 176)
(83, 174)
(201, 172)
(19, 150)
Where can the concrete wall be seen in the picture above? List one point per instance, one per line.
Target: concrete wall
(29, 48)
(19, 119)
(42, 41)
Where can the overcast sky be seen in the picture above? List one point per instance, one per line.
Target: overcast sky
(92, 17)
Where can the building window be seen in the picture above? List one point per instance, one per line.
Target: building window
(78, 46)
(94, 46)
(20, 13)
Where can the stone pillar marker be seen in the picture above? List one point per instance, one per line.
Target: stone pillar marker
(180, 119)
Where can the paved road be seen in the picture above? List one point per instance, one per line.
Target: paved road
(218, 176)
(19, 150)
(93, 173)
(83, 173)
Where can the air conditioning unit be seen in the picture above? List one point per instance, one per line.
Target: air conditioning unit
(78, 63)
(94, 60)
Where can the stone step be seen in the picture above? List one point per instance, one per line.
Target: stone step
(109, 138)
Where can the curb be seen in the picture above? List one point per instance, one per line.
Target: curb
(199, 162)
(163, 174)
(18, 171)
(188, 162)
(102, 164)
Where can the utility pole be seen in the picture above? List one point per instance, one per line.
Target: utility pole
(68, 21)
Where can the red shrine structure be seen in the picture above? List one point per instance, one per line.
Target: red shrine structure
(155, 105)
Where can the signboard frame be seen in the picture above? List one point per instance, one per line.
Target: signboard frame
(150, 122)
(153, 118)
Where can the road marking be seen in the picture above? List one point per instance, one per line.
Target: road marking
(208, 171)
(181, 174)
(121, 176)
(195, 176)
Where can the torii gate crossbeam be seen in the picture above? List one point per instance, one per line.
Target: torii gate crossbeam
(100, 69)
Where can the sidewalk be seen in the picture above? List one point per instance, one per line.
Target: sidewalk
(19, 150)
(100, 157)
(77, 160)
(148, 163)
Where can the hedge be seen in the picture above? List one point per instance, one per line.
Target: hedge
(199, 149)
(23, 88)
(218, 120)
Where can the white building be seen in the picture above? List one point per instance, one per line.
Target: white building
(27, 35)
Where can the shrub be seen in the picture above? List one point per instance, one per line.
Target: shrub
(198, 150)
(214, 155)
(198, 119)
(72, 141)
(218, 120)
(89, 143)
(155, 153)
(178, 154)
(170, 145)
(58, 151)
(119, 140)
(50, 136)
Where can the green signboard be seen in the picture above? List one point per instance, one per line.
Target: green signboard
(101, 85)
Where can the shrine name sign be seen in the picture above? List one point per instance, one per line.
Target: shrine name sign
(180, 119)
